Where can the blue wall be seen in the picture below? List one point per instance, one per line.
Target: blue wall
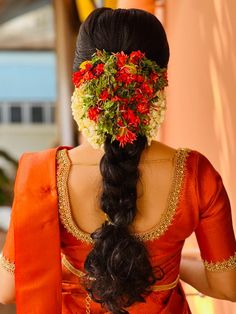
(27, 76)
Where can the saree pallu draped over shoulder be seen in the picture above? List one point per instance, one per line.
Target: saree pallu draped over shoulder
(37, 237)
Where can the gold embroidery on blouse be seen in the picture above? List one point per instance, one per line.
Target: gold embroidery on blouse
(7, 265)
(63, 168)
(71, 268)
(172, 201)
(228, 264)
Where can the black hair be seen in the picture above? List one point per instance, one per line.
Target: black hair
(122, 30)
(118, 266)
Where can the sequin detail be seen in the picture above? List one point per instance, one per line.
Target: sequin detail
(228, 264)
(63, 168)
(7, 265)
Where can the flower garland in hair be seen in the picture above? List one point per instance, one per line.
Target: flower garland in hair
(119, 95)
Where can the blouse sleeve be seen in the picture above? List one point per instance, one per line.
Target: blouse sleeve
(214, 232)
(7, 258)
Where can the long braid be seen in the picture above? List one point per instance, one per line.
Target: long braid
(118, 264)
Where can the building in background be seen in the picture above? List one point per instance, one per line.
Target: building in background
(27, 101)
(28, 81)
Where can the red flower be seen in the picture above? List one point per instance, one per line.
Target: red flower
(99, 69)
(143, 108)
(83, 75)
(135, 56)
(77, 77)
(125, 136)
(138, 94)
(146, 89)
(125, 76)
(139, 78)
(125, 70)
(88, 66)
(154, 76)
(123, 101)
(93, 113)
(132, 118)
(120, 122)
(121, 59)
(139, 97)
(88, 76)
(104, 95)
(116, 98)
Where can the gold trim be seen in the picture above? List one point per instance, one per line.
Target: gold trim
(228, 264)
(172, 201)
(168, 286)
(88, 301)
(71, 268)
(81, 274)
(64, 165)
(7, 265)
(63, 168)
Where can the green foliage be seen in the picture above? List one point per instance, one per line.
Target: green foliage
(121, 95)
(6, 183)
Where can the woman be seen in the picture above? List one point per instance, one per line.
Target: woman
(126, 203)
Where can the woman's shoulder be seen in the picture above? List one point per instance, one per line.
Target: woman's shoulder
(36, 166)
(158, 150)
(196, 162)
(203, 164)
(38, 157)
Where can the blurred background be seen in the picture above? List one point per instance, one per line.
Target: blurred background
(37, 40)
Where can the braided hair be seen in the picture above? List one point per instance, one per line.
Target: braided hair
(118, 267)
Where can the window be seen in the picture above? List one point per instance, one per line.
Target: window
(16, 114)
(52, 114)
(37, 115)
(27, 112)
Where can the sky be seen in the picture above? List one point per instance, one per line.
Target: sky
(27, 76)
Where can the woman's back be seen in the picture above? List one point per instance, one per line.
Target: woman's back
(162, 171)
(84, 184)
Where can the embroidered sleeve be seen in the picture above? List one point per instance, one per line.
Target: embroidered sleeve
(7, 265)
(8, 252)
(7, 259)
(215, 234)
(230, 263)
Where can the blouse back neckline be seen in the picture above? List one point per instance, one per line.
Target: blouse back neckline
(64, 165)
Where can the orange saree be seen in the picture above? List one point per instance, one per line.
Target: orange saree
(47, 249)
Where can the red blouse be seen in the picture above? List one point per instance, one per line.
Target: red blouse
(197, 202)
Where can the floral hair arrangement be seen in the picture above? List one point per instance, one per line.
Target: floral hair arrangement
(119, 95)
